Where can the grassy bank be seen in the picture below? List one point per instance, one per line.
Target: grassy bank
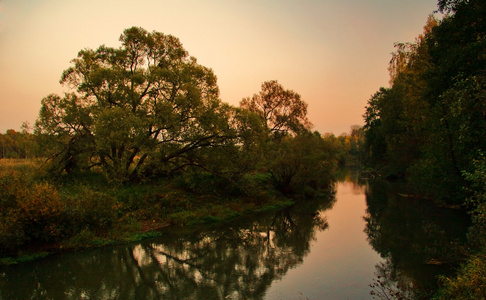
(41, 215)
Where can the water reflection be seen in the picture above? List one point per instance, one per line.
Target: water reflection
(417, 240)
(353, 177)
(246, 258)
(237, 260)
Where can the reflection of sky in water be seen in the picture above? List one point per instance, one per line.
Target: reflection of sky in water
(341, 263)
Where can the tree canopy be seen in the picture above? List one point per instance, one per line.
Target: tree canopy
(145, 101)
(147, 109)
(282, 111)
(430, 124)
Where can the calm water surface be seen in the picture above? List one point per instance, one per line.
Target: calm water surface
(332, 248)
(341, 263)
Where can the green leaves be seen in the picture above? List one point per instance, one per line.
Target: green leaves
(281, 110)
(431, 123)
(134, 101)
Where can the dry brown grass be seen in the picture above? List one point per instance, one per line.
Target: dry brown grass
(18, 163)
(20, 167)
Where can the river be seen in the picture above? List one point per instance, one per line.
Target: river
(362, 242)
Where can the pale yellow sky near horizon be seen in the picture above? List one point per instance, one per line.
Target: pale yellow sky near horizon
(334, 53)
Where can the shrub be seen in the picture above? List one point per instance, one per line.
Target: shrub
(92, 209)
(28, 214)
(470, 283)
(301, 164)
(41, 213)
(11, 234)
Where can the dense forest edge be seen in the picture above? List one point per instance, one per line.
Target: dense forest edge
(143, 141)
(429, 127)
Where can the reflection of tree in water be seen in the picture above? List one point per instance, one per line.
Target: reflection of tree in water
(390, 283)
(352, 176)
(418, 240)
(238, 260)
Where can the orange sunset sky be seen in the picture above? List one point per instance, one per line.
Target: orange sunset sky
(334, 53)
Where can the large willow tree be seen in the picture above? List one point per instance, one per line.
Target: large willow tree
(146, 102)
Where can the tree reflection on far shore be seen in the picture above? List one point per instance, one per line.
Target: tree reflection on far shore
(417, 239)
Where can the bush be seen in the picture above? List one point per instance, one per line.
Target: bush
(258, 187)
(470, 283)
(38, 212)
(205, 183)
(41, 213)
(301, 165)
(28, 214)
(11, 235)
(92, 209)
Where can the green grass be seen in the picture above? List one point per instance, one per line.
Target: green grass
(274, 206)
(22, 258)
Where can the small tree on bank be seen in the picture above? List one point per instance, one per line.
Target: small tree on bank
(282, 111)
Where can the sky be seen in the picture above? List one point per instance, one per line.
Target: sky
(334, 53)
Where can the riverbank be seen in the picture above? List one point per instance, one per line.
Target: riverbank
(41, 215)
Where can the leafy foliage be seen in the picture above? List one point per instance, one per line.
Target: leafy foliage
(28, 214)
(429, 125)
(469, 283)
(15, 144)
(147, 101)
(142, 140)
(300, 164)
(282, 111)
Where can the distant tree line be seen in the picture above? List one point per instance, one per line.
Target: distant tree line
(14, 144)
